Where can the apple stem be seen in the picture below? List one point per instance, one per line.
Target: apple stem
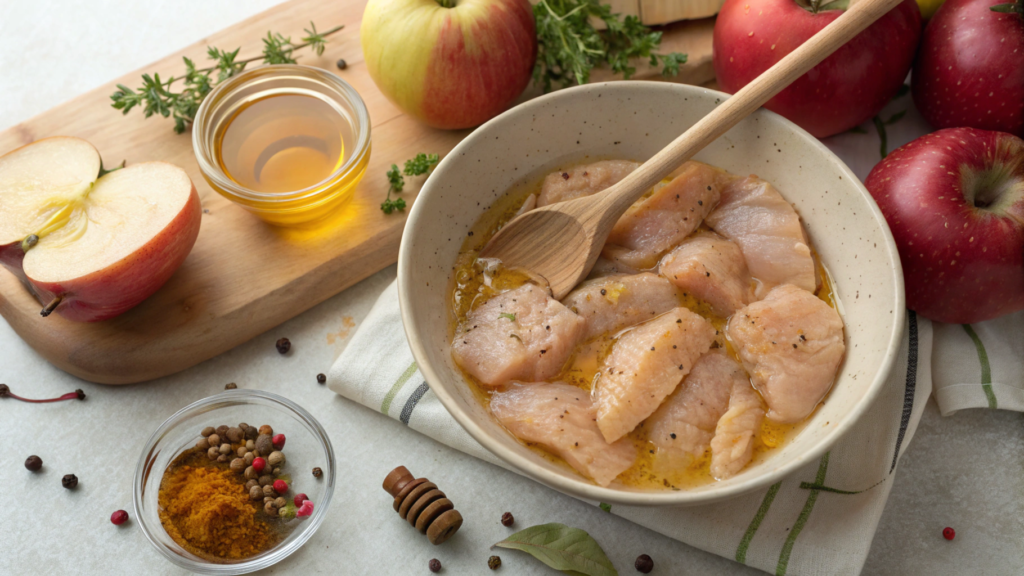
(51, 306)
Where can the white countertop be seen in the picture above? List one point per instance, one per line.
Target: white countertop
(964, 471)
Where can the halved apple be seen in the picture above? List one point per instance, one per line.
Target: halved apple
(91, 245)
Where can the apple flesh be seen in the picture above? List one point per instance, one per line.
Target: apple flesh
(970, 68)
(92, 247)
(954, 200)
(450, 67)
(845, 89)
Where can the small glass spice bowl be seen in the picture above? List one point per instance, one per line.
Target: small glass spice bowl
(308, 447)
(293, 207)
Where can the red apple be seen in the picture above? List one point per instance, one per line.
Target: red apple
(970, 70)
(847, 88)
(954, 200)
(450, 67)
(90, 246)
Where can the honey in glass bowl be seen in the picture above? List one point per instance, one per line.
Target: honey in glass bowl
(288, 143)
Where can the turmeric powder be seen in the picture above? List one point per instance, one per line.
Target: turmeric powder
(207, 511)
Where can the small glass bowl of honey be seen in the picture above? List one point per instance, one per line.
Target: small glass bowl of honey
(287, 142)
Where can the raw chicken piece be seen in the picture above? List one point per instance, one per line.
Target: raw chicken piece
(529, 204)
(615, 302)
(560, 417)
(712, 269)
(652, 226)
(645, 366)
(733, 444)
(754, 215)
(605, 267)
(791, 343)
(682, 427)
(583, 180)
(520, 334)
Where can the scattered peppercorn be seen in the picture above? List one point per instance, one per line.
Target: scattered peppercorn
(4, 390)
(507, 519)
(284, 345)
(278, 440)
(264, 445)
(948, 533)
(230, 386)
(494, 562)
(266, 430)
(435, 565)
(69, 481)
(119, 517)
(208, 431)
(34, 463)
(259, 464)
(300, 498)
(317, 472)
(644, 564)
(342, 64)
(280, 486)
(321, 378)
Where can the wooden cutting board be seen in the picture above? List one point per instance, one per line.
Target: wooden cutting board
(244, 277)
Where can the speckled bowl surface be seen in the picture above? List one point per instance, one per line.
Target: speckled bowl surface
(633, 120)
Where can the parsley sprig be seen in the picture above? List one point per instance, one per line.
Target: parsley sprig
(419, 165)
(569, 47)
(155, 96)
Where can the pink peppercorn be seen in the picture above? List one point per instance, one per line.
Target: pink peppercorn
(948, 533)
(305, 510)
(278, 441)
(280, 486)
(300, 498)
(258, 464)
(119, 517)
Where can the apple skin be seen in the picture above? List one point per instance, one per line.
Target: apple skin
(969, 71)
(123, 285)
(961, 264)
(844, 90)
(450, 67)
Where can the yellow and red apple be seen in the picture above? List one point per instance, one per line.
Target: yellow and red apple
(92, 246)
(450, 63)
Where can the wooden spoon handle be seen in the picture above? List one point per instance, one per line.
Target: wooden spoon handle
(737, 107)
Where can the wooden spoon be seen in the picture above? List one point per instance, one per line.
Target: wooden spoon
(562, 241)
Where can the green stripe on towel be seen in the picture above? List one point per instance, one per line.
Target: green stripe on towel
(986, 370)
(741, 551)
(396, 387)
(801, 520)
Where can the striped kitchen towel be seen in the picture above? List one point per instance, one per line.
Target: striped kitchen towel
(980, 365)
(819, 521)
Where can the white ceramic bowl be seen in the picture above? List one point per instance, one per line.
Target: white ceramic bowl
(633, 120)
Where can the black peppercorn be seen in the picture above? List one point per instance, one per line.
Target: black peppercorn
(507, 519)
(494, 562)
(34, 463)
(342, 64)
(80, 394)
(321, 378)
(284, 345)
(69, 481)
(317, 472)
(644, 564)
(230, 386)
(4, 390)
(435, 565)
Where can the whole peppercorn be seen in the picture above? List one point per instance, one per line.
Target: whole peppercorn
(276, 458)
(251, 474)
(259, 464)
(222, 430)
(280, 502)
(80, 394)
(948, 533)
(286, 512)
(280, 486)
(241, 452)
(321, 378)
(251, 433)
(4, 390)
(230, 386)
(255, 492)
(270, 509)
(277, 471)
(268, 490)
(434, 565)
(644, 564)
(119, 517)
(264, 445)
(266, 429)
(283, 345)
(234, 435)
(242, 426)
(225, 448)
(494, 562)
(317, 472)
(203, 444)
(69, 481)
(250, 445)
(222, 458)
(34, 463)
(207, 431)
(213, 452)
(238, 465)
(250, 484)
(507, 519)
(266, 480)
(249, 457)
(341, 66)
(214, 439)
(300, 498)
(278, 441)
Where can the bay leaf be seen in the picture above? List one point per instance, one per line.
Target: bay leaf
(563, 548)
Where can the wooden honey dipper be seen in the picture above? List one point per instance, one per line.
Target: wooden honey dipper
(424, 506)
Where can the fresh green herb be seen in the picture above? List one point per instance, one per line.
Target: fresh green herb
(511, 317)
(563, 548)
(156, 97)
(419, 165)
(883, 147)
(516, 336)
(569, 47)
(1010, 8)
(606, 507)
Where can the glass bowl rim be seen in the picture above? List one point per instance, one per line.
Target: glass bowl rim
(282, 550)
(340, 90)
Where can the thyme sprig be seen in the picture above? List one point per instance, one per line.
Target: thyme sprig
(569, 47)
(155, 96)
(417, 166)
